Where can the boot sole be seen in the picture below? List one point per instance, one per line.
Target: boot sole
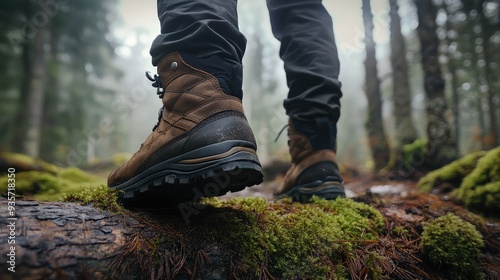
(328, 189)
(209, 171)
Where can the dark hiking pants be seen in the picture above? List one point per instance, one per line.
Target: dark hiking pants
(208, 28)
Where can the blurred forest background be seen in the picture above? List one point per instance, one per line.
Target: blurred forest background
(420, 73)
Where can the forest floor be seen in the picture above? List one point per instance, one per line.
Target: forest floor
(378, 233)
(403, 205)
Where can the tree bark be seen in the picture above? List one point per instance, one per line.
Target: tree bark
(61, 241)
(476, 90)
(377, 140)
(34, 109)
(492, 139)
(55, 240)
(441, 145)
(405, 129)
(19, 125)
(452, 68)
(50, 124)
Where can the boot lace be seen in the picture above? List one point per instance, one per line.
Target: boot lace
(159, 91)
(279, 133)
(156, 83)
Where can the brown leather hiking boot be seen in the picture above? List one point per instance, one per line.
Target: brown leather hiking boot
(202, 145)
(313, 171)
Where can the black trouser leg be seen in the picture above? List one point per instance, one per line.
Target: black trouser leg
(201, 27)
(308, 50)
(206, 34)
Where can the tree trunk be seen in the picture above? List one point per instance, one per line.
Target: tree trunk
(34, 109)
(377, 140)
(441, 145)
(476, 91)
(50, 137)
(492, 139)
(405, 129)
(454, 84)
(19, 125)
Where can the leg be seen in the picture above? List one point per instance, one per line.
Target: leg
(308, 50)
(202, 144)
(203, 28)
(206, 34)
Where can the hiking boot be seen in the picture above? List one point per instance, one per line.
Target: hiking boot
(202, 145)
(314, 169)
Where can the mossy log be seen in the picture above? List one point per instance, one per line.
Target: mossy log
(241, 238)
(22, 162)
(59, 240)
(473, 180)
(62, 240)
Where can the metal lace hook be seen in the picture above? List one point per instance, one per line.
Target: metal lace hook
(156, 83)
(148, 75)
(281, 131)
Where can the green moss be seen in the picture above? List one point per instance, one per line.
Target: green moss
(476, 178)
(452, 173)
(480, 190)
(297, 240)
(101, 197)
(415, 151)
(374, 270)
(28, 163)
(485, 199)
(453, 245)
(405, 159)
(32, 182)
(77, 175)
(51, 186)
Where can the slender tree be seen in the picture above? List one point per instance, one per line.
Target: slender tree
(51, 128)
(485, 36)
(480, 30)
(452, 68)
(24, 10)
(441, 145)
(405, 129)
(35, 108)
(477, 80)
(377, 140)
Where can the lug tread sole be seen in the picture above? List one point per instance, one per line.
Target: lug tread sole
(174, 188)
(329, 190)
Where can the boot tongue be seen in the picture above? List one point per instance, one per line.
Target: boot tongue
(320, 131)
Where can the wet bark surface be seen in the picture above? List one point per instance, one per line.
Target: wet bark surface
(60, 240)
(63, 240)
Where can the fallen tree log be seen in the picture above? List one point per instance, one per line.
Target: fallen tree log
(237, 239)
(59, 240)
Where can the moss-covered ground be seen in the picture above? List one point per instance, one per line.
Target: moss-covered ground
(415, 236)
(473, 181)
(44, 181)
(418, 236)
